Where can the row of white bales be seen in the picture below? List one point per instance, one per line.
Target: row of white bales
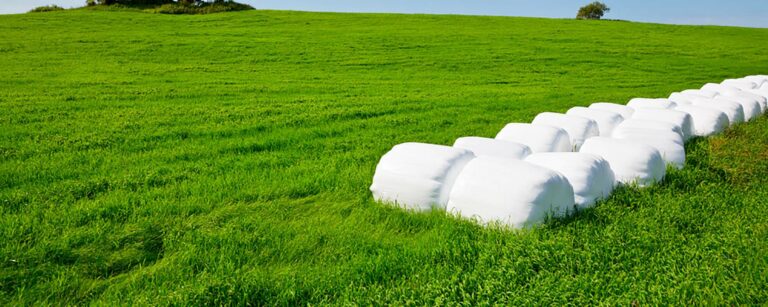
(562, 161)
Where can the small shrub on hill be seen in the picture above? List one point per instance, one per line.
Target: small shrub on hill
(202, 8)
(47, 8)
(594, 10)
(171, 6)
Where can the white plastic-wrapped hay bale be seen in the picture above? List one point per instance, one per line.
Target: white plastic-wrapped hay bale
(649, 125)
(512, 192)
(578, 128)
(675, 117)
(628, 133)
(751, 103)
(671, 152)
(733, 110)
(700, 93)
(763, 101)
(758, 80)
(624, 111)
(481, 146)
(417, 175)
(590, 176)
(606, 120)
(653, 103)
(680, 98)
(750, 107)
(631, 162)
(739, 83)
(706, 121)
(748, 97)
(539, 138)
(720, 88)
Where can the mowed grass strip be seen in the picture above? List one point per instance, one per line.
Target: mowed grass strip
(225, 159)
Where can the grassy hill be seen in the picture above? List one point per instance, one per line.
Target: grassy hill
(223, 159)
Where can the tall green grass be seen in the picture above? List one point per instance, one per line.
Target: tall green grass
(225, 159)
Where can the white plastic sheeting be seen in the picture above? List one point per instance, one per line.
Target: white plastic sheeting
(764, 101)
(750, 106)
(706, 121)
(512, 192)
(631, 162)
(758, 80)
(700, 93)
(740, 84)
(671, 151)
(720, 88)
(628, 133)
(680, 98)
(750, 95)
(624, 111)
(733, 110)
(650, 125)
(675, 117)
(492, 147)
(750, 102)
(654, 103)
(578, 128)
(417, 175)
(606, 120)
(590, 176)
(538, 138)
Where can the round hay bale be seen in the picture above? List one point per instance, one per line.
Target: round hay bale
(606, 120)
(750, 106)
(733, 110)
(671, 152)
(578, 128)
(590, 176)
(631, 162)
(626, 133)
(653, 103)
(650, 125)
(538, 138)
(624, 111)
(675, 117)
(706, 121)
(418, 176)
(511, 192)
(481, 146)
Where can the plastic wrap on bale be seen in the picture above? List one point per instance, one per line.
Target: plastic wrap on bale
(510, 192)
(740, 84)
(630, 132)
(590, 176)
(672, 153)
(732, 110)
(578, 128)
(631, 162)
(675, 117)
(751, 107)
(418, 176)
(649, 125)
(764, 101)
(481, 146)
(706, 121)
(606, 120)
(653, 103)
(625, 111)
(537, 137)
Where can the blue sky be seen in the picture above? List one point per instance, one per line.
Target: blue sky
(749, 13)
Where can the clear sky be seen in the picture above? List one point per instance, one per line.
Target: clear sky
(749, 13)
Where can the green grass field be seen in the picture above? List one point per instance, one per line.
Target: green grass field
(225, 159)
